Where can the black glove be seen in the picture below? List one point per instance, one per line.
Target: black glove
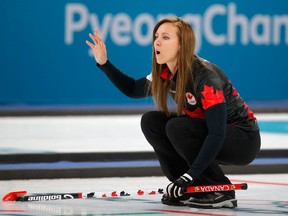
(177, 188)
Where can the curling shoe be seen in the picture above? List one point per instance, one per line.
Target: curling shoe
(213, 200)
(179, 201)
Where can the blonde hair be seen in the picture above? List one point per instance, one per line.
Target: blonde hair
(161, 87)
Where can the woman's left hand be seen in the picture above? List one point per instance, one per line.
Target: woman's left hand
(178, 187)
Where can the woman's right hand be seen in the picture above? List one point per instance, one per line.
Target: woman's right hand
(98, 47)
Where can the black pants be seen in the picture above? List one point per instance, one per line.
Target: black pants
(177, 141)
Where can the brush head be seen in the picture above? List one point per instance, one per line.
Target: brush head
(13, 196)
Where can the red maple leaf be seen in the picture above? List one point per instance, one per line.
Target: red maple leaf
(211, 97)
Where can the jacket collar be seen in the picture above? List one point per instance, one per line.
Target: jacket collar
(166, 74)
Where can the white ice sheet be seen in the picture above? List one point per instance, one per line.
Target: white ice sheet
(93, 134)
(266, 195)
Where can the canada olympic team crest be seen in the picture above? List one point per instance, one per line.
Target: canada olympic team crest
(190, 98)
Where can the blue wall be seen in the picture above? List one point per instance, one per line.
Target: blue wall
(44, 59)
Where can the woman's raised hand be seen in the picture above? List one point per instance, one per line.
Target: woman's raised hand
(98, 47)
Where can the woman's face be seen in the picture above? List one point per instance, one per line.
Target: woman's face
(166, 45)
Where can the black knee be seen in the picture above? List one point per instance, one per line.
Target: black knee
(147, 121)
(173, 129)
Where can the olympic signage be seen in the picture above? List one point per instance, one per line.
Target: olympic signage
(45, 61)
(123, 28)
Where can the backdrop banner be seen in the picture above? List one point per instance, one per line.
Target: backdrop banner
(45, 60)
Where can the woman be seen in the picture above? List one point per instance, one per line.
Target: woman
(212, 124)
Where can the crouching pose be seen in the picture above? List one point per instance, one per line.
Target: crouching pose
(211, 124)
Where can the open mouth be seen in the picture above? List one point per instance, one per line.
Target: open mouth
(157, 52)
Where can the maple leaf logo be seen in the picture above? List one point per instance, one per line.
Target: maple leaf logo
(211, 97)
(190, 98)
